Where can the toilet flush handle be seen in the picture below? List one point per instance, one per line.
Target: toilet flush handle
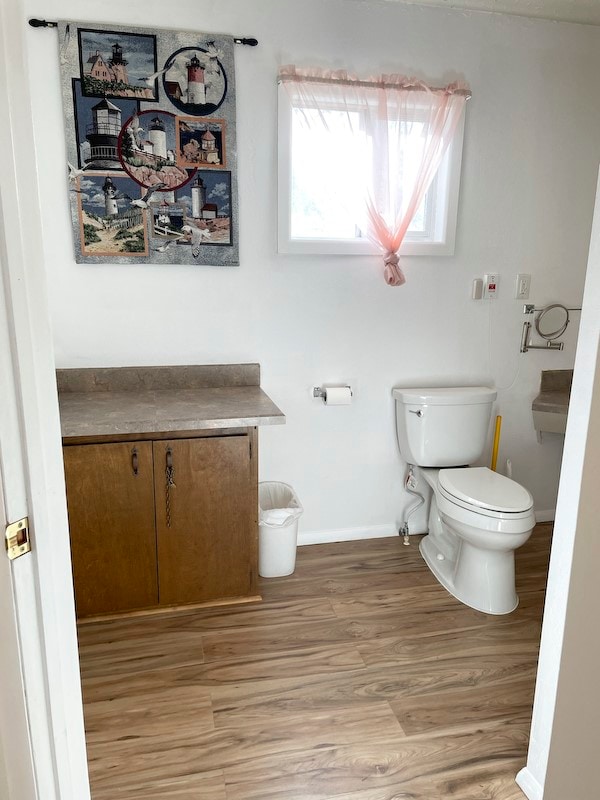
(419, 413)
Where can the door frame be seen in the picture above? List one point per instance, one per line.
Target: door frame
(17, 774)
(44, 639)
(577, 504)
(32, 479)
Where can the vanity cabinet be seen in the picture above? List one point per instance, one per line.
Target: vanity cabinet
(110, 496)
(163, 521)
(206, 524)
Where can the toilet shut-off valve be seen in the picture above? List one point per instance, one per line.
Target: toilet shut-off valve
(404, 533)
(410, 484)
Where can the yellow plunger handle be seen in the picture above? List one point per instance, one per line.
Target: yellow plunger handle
(496, 442)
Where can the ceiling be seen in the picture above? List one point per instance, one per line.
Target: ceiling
(584, 11)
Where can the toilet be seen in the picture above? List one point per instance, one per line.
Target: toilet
(477, 517)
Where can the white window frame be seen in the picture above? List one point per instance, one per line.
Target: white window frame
(446, 186)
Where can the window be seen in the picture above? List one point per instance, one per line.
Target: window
(322, 174)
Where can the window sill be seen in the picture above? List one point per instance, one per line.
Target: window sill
(331, 247)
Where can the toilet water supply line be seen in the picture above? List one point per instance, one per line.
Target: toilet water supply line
(410, 485)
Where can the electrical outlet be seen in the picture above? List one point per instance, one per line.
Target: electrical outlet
(523, 286)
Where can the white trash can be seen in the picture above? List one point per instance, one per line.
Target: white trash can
(278, 512)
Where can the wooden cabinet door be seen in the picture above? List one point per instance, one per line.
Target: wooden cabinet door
(207, 544)
(110, 495)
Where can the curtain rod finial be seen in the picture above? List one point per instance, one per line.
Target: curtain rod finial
(42, 23)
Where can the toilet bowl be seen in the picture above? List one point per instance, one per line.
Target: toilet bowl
(477, 518)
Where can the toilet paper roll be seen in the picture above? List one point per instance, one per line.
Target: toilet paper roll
(338, 395)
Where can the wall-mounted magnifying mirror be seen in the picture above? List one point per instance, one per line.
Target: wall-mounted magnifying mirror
(552, 321)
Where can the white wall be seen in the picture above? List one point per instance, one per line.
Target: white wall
(529, 167)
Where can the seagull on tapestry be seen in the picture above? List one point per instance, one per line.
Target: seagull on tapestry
(214, 51)
(213, 54)
(75, 173)
(196, 236)
(122, 196)
(142, 202)
(211, 58)
(149, 79)
(135, 130)
(164, 247)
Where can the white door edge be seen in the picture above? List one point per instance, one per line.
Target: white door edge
(17, 775)
(31, 457)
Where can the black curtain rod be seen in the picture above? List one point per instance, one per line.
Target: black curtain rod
(43, 23)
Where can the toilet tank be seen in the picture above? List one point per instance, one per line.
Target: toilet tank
(443, 427)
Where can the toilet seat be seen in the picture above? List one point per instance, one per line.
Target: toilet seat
(482, 491)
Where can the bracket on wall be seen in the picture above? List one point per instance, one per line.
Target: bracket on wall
(525, 347)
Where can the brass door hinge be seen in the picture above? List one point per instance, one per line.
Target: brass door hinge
(17, 538)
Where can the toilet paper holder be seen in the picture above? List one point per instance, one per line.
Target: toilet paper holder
(321, 391)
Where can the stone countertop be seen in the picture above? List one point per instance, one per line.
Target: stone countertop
(154, 411)
(552, 402)
(555, 390)
(134, 400)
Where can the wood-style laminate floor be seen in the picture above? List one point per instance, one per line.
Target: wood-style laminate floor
(358, 677)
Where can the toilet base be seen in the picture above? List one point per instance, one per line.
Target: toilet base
(480, 580)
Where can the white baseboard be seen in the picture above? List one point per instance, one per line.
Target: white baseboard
(529, 785)
(346, 534)
(377, 531)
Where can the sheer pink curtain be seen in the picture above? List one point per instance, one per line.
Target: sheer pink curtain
(408, 125)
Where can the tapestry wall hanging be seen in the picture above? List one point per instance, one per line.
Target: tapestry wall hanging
(151, 144)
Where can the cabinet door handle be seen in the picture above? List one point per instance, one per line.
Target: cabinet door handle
(170, 470)
(170, 483)
(135, 461)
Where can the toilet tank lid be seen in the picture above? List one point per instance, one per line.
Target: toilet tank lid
(480, 487)
(448, 396)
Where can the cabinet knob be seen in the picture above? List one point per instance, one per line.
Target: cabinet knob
(135, 461)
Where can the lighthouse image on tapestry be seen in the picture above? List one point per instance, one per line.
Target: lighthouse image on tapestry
(98, 124)
(110, 225)
(118, 64)
(203, 206)
(147, 150)
(195, 80)
(200, 142)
